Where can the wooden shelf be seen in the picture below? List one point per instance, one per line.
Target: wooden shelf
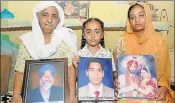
(72, 27)
(16, 29)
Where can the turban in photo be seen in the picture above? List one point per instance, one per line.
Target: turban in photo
(47, 67)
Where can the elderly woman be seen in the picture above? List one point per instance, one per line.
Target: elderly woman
(48, 40)
(141, 38)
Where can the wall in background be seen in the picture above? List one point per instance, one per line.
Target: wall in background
(113, 12)
(108, 11)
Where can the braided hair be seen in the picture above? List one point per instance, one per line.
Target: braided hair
(83, 41)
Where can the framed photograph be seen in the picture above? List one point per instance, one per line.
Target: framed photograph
(95, 79)
(75, 12)
(45, 81)
(137, 76)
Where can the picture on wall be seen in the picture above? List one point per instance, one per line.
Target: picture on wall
(76, 12)
(75, 9)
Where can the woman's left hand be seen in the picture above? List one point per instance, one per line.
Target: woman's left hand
(161, 95)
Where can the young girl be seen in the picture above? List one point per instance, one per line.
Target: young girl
(92, 45)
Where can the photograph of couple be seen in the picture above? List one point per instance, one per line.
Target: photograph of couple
(137, 76)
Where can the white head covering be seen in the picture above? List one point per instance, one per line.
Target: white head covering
(34, 41)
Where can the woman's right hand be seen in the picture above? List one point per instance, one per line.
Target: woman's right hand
(17, 99)
(116, 88)
(75, 61)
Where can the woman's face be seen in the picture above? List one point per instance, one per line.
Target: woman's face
(93, 33)
(48, 20)
(143, 74)
(137, 18)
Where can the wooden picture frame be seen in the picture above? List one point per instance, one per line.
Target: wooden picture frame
(45, 78)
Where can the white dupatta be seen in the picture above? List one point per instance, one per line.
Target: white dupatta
(34, 41)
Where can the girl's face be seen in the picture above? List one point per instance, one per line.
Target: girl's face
(137, 18)
(93, 33)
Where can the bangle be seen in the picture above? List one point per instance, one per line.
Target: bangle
(16, 95)
(72, 90)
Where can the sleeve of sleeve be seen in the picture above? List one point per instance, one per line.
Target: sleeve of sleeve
(163, 67)
(69, 54)
(163, 64)
(113, 64)
(118, 49)
(70, 57)
(119, 46)
(20, 61)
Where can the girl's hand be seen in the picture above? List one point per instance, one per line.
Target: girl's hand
(76, 61)
(72, 96)
(16, 99)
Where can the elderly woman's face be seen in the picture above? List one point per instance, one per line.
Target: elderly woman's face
(48, 19)
(137, 18)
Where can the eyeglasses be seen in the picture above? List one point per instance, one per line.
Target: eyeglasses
(90, 31)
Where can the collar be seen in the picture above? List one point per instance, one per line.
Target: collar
(99, 52)
(45, 96)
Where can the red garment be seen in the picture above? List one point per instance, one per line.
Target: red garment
(152, 83)
(97, 94)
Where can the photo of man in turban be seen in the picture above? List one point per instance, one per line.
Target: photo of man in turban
(46, 91)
